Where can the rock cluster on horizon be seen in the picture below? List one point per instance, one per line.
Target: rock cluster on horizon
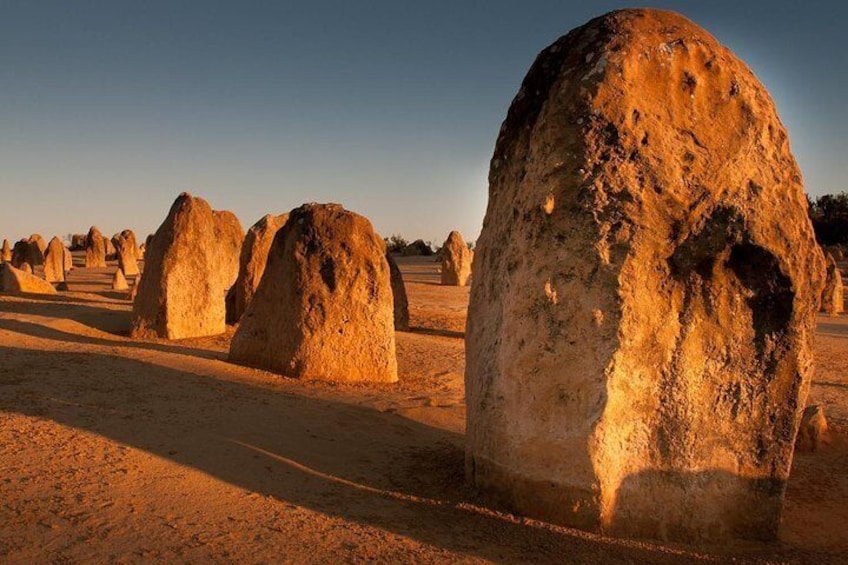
(417, 247)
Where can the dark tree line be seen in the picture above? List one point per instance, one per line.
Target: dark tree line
(829, 214)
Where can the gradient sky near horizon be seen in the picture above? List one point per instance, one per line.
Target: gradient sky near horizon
(109, 109)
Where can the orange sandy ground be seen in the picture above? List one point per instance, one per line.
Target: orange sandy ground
(114, 450)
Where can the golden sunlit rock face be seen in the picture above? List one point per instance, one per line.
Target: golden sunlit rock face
(190, 265)
(95, 249)
(456, 260)
(324, 308)
(639, 342)
(55, 262)
(126, 252)
(17, 281)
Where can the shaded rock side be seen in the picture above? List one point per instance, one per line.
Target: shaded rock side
(400, 301)
(134, 289)
(813, 431)
(323, 309)
(78, 241)
(230, 236)
(109, 247)
(40, 248)
(456, 260)
(417, 247)
(67, 260)
(640, 330)
(186, 275)
(26, 252)
(836, 251)
(252, 260)
(832, 299)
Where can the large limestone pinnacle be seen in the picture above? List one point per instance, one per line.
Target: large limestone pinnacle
(188, 269)
(639, 341)
(324, 309)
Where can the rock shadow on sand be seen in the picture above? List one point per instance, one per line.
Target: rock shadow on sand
(373, 468)
(45, 332)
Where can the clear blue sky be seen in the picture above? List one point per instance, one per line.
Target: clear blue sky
(109, 109)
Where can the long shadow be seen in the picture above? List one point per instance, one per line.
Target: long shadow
(832, 330)
(45, 332)
(103, 319)
(369, 467)
(833, 385)
(437, 332)
(114, 295)
(835, 336)
(66, 298)
(413, 280)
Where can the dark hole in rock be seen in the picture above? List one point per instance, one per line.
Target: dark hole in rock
(328, 273)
